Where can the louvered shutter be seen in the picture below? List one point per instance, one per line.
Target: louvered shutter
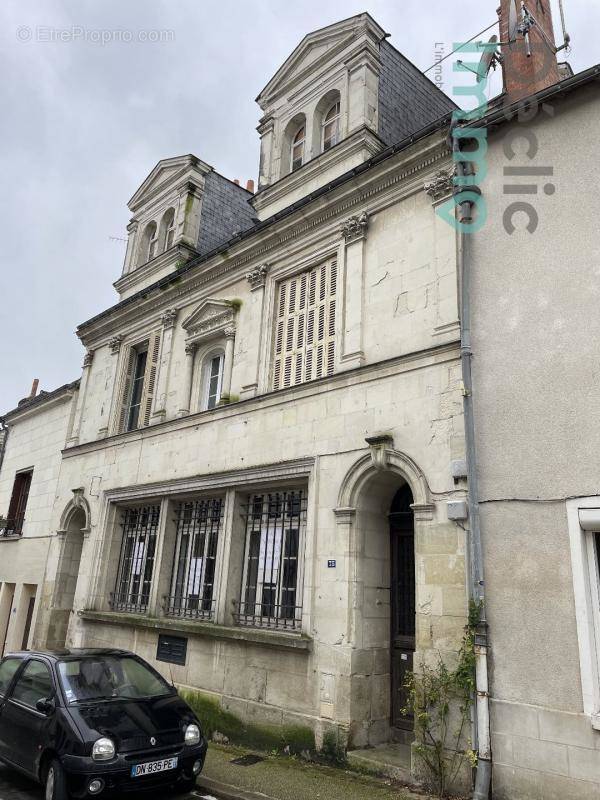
(305, 326)
(126, 390)
(150, 378)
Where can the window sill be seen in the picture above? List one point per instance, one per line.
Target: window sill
(270, 638)
(12, 537)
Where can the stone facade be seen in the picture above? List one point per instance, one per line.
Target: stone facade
(201, 334)
(37, 431)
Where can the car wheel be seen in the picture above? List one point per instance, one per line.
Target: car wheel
(55, 784)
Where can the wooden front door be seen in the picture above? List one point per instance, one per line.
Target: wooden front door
(402, 553)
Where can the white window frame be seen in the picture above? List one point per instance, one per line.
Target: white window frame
(206, 375)
(296, 144)
(586, 589)
(327, 122)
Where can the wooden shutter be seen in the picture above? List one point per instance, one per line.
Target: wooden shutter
(150, 379)
(305, 326)
(126, 390)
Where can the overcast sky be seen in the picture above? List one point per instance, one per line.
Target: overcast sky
(84, 122)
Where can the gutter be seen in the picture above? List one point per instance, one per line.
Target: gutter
(481, 728)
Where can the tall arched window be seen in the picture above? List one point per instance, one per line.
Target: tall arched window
(212, 379)
(148, 244)
(331, 126)
(167, 230)
(298, 148)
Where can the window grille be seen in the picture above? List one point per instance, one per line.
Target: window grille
(194, 566)
(136, 559)
(18, 504)
(275, 525)
(305, 326)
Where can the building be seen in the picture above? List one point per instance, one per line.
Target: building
(30, 459)
(244, 438)
(535, 326)
(263, 489)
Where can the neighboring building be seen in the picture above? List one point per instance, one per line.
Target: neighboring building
(30, 461)
(536, 329)
(265, 474)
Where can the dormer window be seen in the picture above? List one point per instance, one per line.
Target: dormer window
(167, 229)
(298, 148)
(148, 244)
(331, 127)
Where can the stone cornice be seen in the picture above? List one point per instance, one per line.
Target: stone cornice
(394, 178)
(444, 353)
(144, 273)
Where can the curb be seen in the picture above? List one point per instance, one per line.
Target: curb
(225, 791)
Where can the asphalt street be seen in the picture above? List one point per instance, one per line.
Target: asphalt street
(14, 786)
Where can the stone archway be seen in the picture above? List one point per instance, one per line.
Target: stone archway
(74, 527)
(363, 513)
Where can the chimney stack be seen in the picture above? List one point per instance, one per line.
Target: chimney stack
(236, 181)
(34, 388)
(250, 185)
(525, 74)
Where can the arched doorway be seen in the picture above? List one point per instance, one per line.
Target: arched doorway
(74, 526)
(402, 610)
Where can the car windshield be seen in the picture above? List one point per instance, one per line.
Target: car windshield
(107, 677)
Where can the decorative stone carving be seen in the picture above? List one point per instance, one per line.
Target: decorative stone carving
(355, 227)
(190, 348)
(257, 276)
(440, 185)
(88, 358)
(378, 445)
(210, 319)
(168, 318)
(115, 343)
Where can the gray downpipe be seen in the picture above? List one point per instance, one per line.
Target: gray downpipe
(476, 583)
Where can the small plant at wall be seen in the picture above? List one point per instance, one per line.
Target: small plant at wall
(236, 303)
(440, 699)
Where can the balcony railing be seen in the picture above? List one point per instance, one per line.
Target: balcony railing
(13, 526)
(129, 603)
(268, 615)
(188, 607)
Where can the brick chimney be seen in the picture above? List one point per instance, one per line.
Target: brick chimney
(527, 74)
(34, 388)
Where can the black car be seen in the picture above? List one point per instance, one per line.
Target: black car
(88, 722)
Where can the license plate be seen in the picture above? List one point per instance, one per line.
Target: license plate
(153, 766)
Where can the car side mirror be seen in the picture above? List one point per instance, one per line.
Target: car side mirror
(46, 706)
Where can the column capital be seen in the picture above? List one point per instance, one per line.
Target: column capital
(88, 358)
(115, 343)
(441, 185)
(257, 276)
(169, 317)
(355, 227)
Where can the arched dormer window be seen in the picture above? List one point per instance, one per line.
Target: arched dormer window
(167, 230)
(298, 148)
(212, 379)
(148, 244)
(331, 127)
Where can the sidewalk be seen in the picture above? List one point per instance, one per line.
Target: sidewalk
(289, 779)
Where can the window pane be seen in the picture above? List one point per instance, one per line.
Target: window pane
(137, 389)
(136, 561)
(215, 377)
(7, 670)
(194, 568)
(34, 684)
(274, 523)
